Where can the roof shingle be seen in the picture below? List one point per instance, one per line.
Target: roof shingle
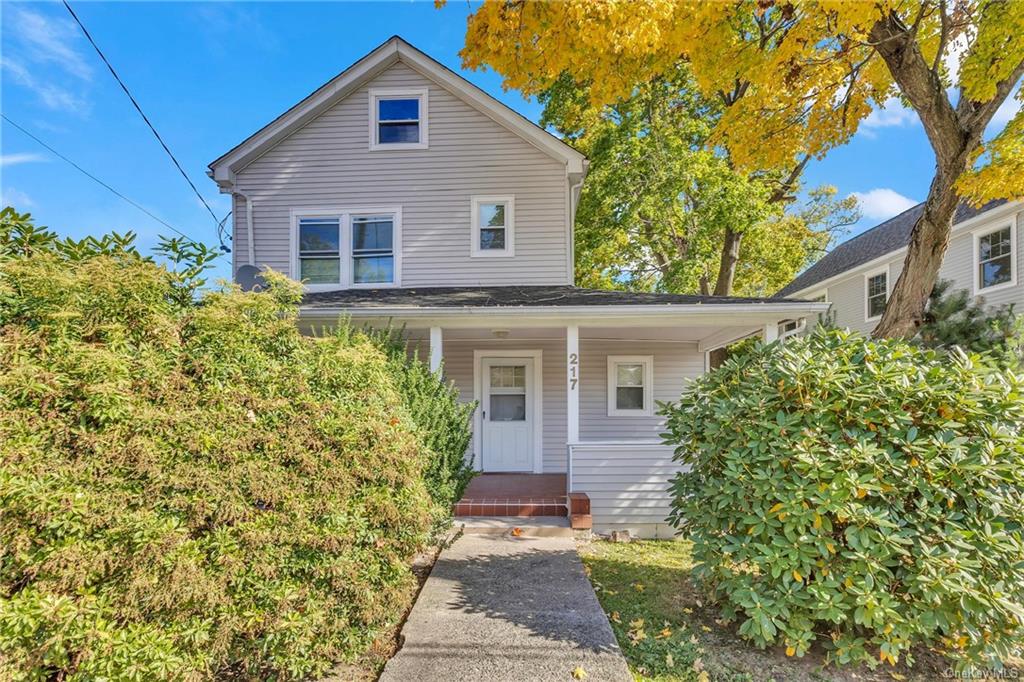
(505, 296)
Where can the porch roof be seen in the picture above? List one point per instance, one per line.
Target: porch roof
(512, 297)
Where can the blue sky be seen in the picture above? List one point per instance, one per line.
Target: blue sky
(210, 74)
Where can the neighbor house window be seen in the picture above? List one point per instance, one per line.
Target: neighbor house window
(630, 379)
(320, 250)
(493, 226)
(373, 254)
(398, 119)
(994, 256)
(343, 248)
(877, 294)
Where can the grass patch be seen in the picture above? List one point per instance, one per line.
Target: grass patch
(669, 633)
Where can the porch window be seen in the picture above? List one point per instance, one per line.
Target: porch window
(994, 254)
(630, 379)
(877, 294)
(493, 224)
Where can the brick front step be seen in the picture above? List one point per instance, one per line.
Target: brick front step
(512, 506)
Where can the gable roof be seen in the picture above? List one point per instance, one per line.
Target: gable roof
(892, 235)
(391, 51)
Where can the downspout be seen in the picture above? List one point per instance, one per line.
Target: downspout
(249, 241)
(574, 199)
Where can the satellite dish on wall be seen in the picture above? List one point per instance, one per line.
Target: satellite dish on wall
(249, 278)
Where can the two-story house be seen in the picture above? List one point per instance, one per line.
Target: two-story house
(984, 257)
(400, 193)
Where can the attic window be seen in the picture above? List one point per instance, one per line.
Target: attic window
(398, 119)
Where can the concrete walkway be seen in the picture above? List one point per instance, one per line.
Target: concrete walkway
(507, 608)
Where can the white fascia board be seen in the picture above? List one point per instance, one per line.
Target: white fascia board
(966, 226)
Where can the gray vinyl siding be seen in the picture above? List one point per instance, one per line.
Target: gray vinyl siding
(848, 295)
(628, 486)
(674, 364)
(327, 164)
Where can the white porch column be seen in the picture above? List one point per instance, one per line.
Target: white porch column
(435, 348)
(572, 386)
(771, 332)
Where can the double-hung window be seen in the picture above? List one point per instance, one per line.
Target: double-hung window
(320, 249)
(347, 248)
(877, 286)
(493, 226)
(398, 119)
(373, 251)
(630, 385)
(994, 258)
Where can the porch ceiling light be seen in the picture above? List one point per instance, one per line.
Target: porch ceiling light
(500, 333)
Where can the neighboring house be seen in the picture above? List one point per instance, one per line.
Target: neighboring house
(856, 278)
(403, 194)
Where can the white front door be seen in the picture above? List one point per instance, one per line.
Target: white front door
(506, 437)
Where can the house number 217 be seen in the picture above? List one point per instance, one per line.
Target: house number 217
(574, 363)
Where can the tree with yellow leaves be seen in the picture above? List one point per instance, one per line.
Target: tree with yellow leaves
(796, 79)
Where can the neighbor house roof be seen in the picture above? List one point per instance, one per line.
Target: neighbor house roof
(892, 235)
(508, 297)
(391, 51)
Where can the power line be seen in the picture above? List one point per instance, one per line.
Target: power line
(142, 114)
(97, 180)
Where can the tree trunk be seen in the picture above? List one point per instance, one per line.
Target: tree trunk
(727, 266)
(955, 133)
(904, 312)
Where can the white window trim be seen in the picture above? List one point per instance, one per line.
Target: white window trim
(888, 290)
(648, 364)
(344, 216)
(376, 94)
(984, 232)
(510, 226)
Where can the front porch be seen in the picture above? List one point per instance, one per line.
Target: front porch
(566, 384)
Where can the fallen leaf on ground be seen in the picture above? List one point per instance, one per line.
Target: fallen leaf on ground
(579, 673)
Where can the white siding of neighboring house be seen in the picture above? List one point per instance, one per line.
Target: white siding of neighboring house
(327, 164)
(848, 294)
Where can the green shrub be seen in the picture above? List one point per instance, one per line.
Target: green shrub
(191, 489)
(443, 421)
(866, 495)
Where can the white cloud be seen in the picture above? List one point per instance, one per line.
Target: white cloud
(882, 203)
(10, 196)
(892, 114)
(52, 96)
(49, 40)
(42, 55)
(23, 157)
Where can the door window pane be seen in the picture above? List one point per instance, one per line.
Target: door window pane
(508, 376)
(508, 408)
